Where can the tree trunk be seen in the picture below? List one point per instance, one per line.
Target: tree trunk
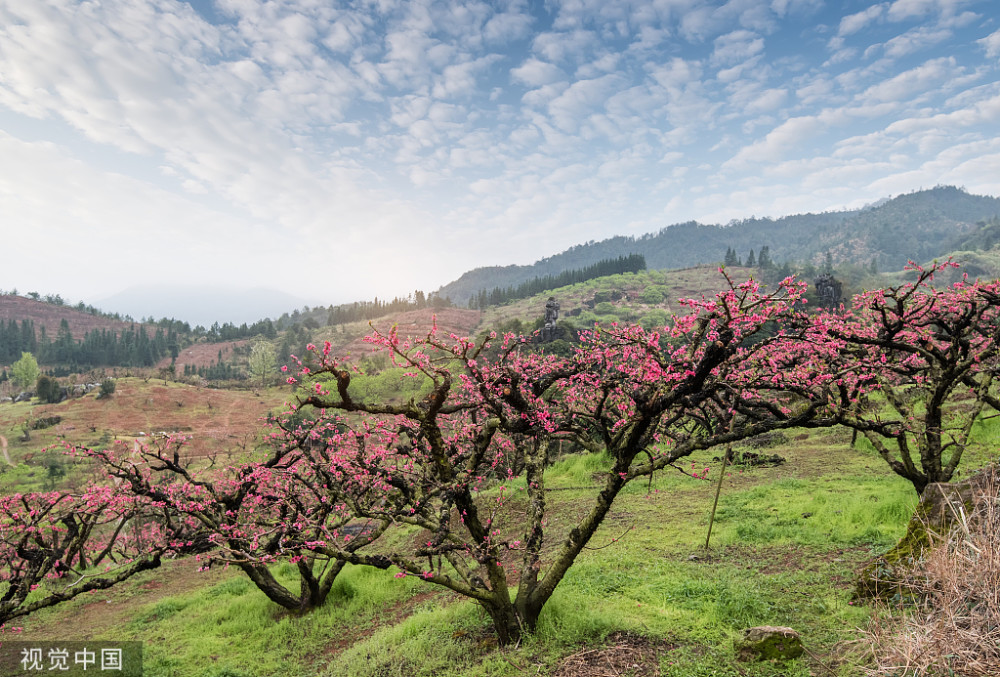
(267, 584)
(505, 621)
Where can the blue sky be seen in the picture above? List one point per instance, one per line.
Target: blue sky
(342, 150)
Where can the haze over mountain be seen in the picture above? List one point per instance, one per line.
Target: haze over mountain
(200, 305)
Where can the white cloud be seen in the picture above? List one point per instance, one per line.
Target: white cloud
(506, 27)
(461, 79)
(581, 97)
(909, 84)
(535, 73)
(786, 7)
(914, 40)
(736, 47)
(991, 44)
(779, 142)
(676, 73)
(853, 23)
(984, 112)
(562, 47)
(905, 9)
(766, 101)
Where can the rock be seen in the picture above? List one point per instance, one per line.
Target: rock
(769, 642)
(884, 577)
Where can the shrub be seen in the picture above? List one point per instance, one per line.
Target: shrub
(107, 388)
(48, 390)
(654, 319)
(651, 296)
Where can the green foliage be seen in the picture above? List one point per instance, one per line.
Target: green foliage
(262, 363)
(25, 371)
(652, 296)
(389, 384)
(55, 470)
(654, 319)
(369, 310)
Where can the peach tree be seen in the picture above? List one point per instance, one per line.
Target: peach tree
(444, 463)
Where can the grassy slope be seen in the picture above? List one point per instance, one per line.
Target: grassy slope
(673, 284)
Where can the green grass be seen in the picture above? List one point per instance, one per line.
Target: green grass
(231, 628)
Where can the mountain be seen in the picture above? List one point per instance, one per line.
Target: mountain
(200, 305)
(916, 226)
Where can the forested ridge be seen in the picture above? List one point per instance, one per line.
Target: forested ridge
(917, 226)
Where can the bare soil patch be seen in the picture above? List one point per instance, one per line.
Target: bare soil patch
(624, 654)
(216, 421)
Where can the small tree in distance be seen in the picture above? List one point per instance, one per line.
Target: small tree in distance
(25, 371)
(262, 364)
(47, 389)
(107, 388)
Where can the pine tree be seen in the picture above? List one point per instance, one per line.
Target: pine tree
(751, 262)
(764, 258)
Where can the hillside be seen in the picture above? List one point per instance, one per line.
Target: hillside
(216, 421)
(348, 339)
(917, 226)
(50, 316)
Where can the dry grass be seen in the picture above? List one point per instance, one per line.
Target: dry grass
(955, 627)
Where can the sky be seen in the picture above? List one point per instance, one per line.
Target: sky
(339, 151)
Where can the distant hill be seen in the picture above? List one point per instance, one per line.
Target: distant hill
(918, 226)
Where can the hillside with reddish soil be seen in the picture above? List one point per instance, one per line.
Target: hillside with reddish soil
(202, 354)
(349, 339)
(50, 316)
(216, 421)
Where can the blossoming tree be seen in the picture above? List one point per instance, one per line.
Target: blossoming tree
(253, 513)
(930, 353)
(443, 463)
(63, 544)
